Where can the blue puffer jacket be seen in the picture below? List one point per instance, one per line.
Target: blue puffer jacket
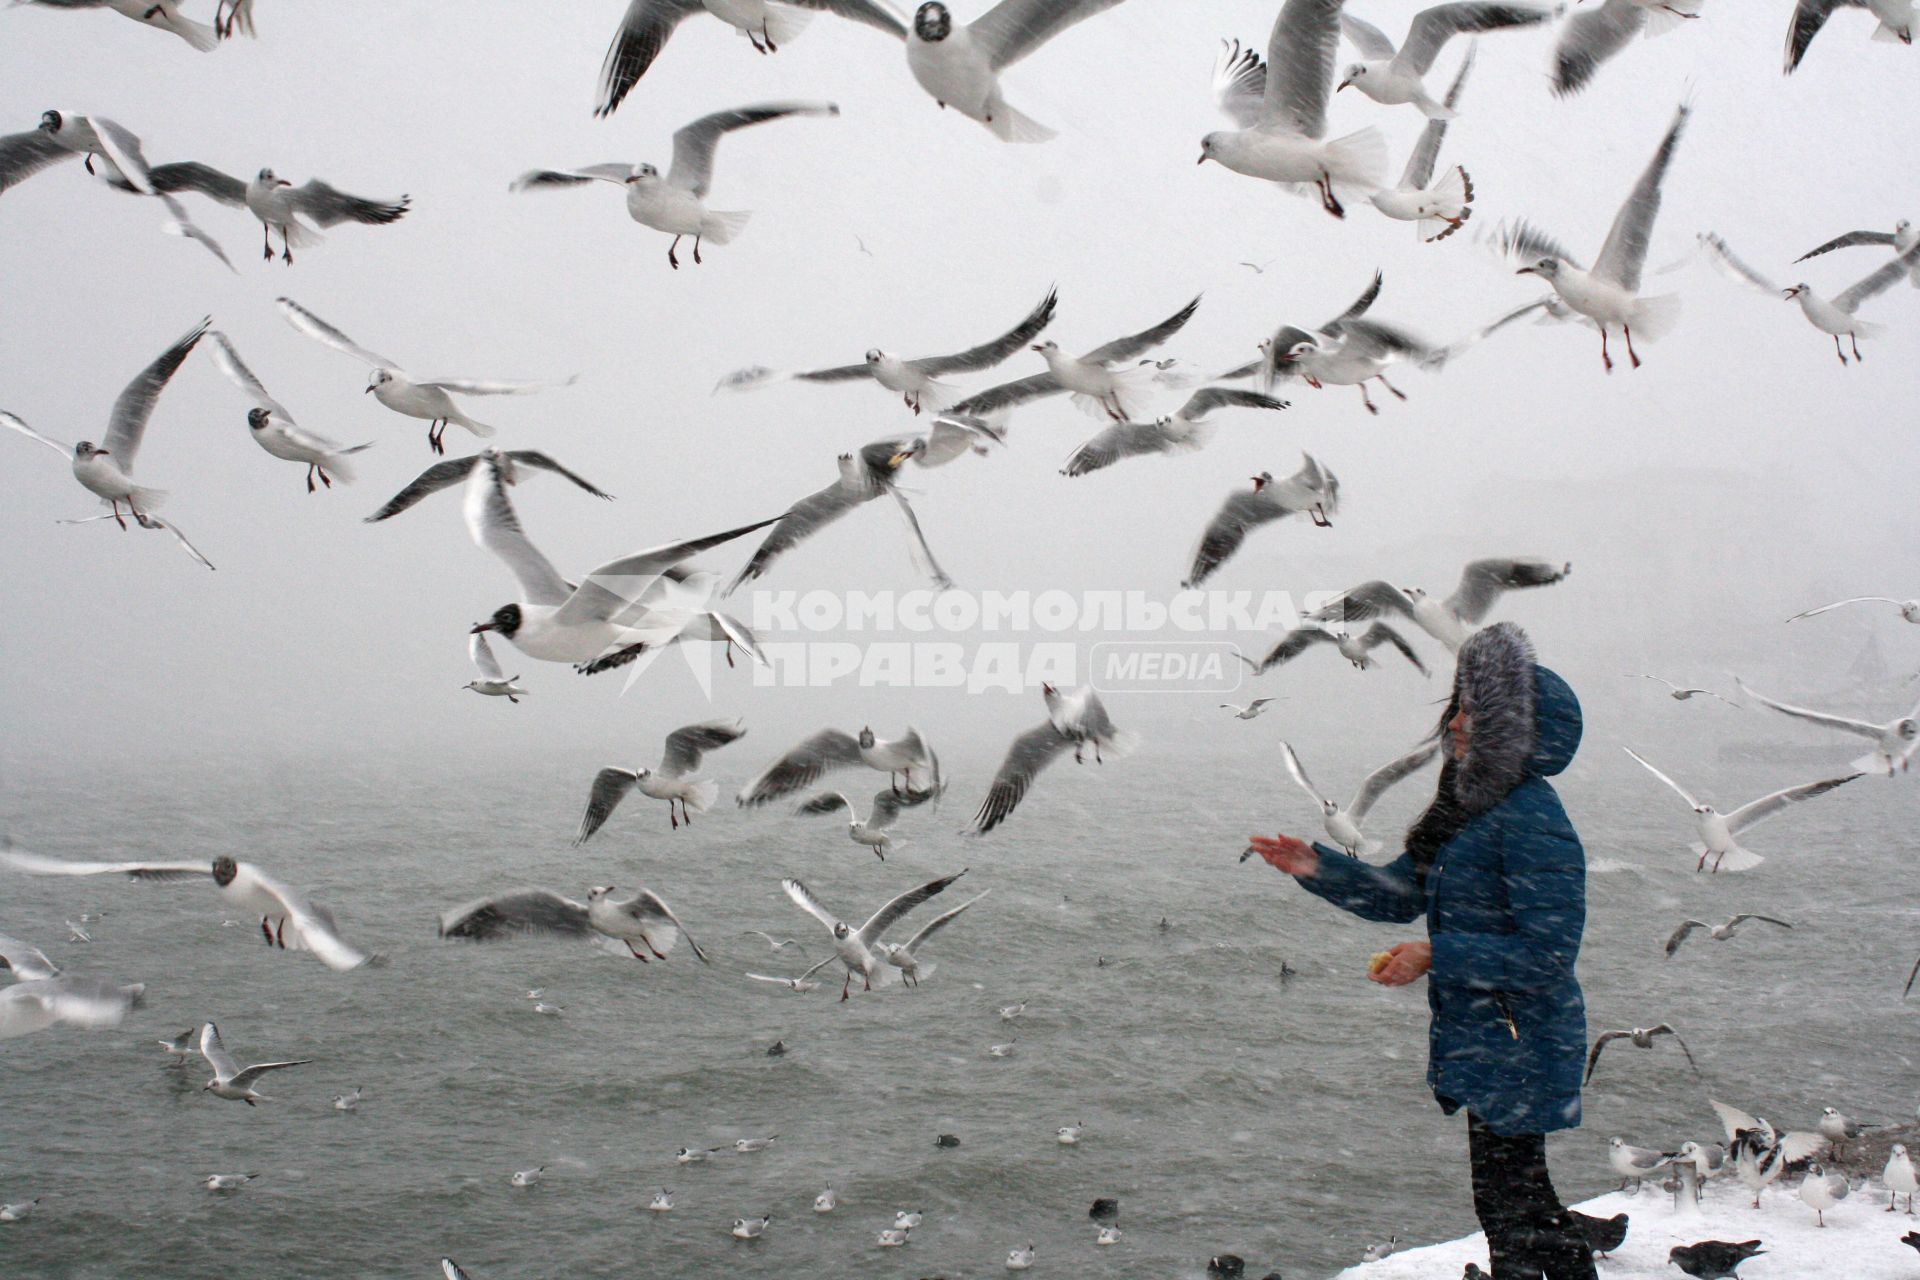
(1505, 901)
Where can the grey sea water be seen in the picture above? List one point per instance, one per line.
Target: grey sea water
(1227, 1109)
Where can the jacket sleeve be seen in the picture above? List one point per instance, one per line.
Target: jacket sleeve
(1381, 893)
(1546, 882)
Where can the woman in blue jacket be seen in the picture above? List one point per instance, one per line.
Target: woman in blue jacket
(1496, 869)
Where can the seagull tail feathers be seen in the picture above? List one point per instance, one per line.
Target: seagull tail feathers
(198, 34)
(721, 227)
(1358, 160)
(1011, 125)
(1654, 318)
(784, 22)
(701, 797)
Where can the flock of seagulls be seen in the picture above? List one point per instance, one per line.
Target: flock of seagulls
(635, 605)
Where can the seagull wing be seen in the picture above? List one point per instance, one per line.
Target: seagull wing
(1593, 1054)
(870, 12)
(1745, 916)
(1808, 17)
(123, 149)
(9, 420)
(1680, 934)
(687, 744)
(887, 804)
(884, 919)
(441, 475)
(314, 923)
(322, 332)
(1750, 815)
(490, 386)
(1207, 399)
(1665, 1030)
(516, 914)
(1677, 788)
(135, 405)
(534, 179)
(642, 35)
(1299, 773)
(1240, 84)
(1890, 274)
(1721, 255)
(1521, 241)
(215, 1052)
(1373, 43)
(801, 767)
(610, 787)
(1243, 511)
(235, 368)
(24, 154)
(495, 526)
(1733, 1120)
(1300, 53)
(1009, 394)
(1432, 28)
(327, 206)
(1357, 308)
(801, 521)
(1859, 727)
(614, 586)
(988, 354)
(694, 144)
(1133, 439)
(1589, 38)
(35, 865)
(1848, 241)
(32, 1006)
(938, 923)
(246, 1078)
(825, 802)
(648, 907)
(27, 962)
(1031, 752)
(482, 654)
(1483, 581)
(202, 179)
(1380, 633)
(917, 548)
(804, 899)
(1013, 29)
(1387, 775)
(1625, 252)
(1370, 599)
(1795, 618)
(1138, 344)
(1292, 645)
(534, 458)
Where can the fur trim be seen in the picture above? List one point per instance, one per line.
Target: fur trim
(1493, 681)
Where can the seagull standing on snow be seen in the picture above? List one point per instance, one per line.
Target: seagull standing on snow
(1355, 647)
(1099, 382)
(288, 919)
(106, 469)
(1075, 720)
(1438, 209)
(1718, 932)
(1452, 620)
(670, 782)
(905, 759)
(390, 385)
(610, 922)
(1634, 1163)
(1343, 824)
(855, 947)
(1895, 742)
(1897, 22)
(916, 381)
(274, 429)
(161, 15)
(1180, 432)
(1719, 833)
(677, 203)
(647, 25)
(871, 830)
(1392, 76)
(1833, 316)
(1609, 294)
(1312, 490)
(493, 681)
(1592, 35)
(230, 1080)
(1281, 108)
(1821, 1191)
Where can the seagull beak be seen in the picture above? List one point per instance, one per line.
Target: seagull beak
(368, 391)
(1343, 84)
(1526, 271)
(1036, 346)
(898, 458)
(1790, 293)
(1202, 159)
(478, 627)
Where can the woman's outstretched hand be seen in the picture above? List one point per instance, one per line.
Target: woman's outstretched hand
(1286, 854)
(1406, 962)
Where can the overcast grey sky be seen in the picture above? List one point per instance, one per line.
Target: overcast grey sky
(1740, 475)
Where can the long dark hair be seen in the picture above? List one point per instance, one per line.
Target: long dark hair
(1445, 815)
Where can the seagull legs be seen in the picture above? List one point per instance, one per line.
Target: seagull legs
(315, 469)
(266, 242)
(1397, 392)
(696, 249)
(116, 512)
(436, 430)
(671, 260)
(1328, 200)
(635, 954)
(1319, 516)
(1366, 399)
(1605, 359)
(1854, 340)
(1631, 353)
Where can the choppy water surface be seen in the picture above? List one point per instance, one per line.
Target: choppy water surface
(1228, 1110)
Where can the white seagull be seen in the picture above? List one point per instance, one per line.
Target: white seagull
(671, 782)
(161, 15)
(1437, 209)
(297, 213)
(1895, 741)
(1392, 76)
(1181, 432)
(68, 133)
(1719, 833)
(870, 830)
(1902, 238)
(614, 924)
(1078, 720)
(106, 469)
(1101, 382)
(392, 387)
(1609, 293)
(288, 918)
(1281, 108)
(647, 25)
(453, 471)
(227, 1181)
(626, 607)
(1312, 491)
(1596, 33)
(1821, 1191)
(1355, 647)
(1343, 824)
(1248, 712)
(493, 681)
(906, 759)
(1909, 609)
(44, 997)
(855, 948)
(917, 381)
(1680, 693)
(274, 429)
(230, 1080)
(905, 956)
(1452, 620)
(1718, 932)
(677, 203)
(1347, 351)
(1896, 23)
(1834, 316)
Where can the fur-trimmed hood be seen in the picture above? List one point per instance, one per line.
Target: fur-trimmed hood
(1523, 720)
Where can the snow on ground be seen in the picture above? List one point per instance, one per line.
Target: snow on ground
(1861, 1240)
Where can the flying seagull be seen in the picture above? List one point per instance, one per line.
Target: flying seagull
(1681, 693)
(856, 948)
(493, 681)
(230, 1079)
(870, 830)
(1909, 609)
(1833, 316)
(672, 781)
(905, 956)
(299, 213)
(1101, 382)
(274, 429)
(1436, 208)
(1902, 238)
(1452, 620)
(1896, 22)
(1343, 823)
(677, 203)
(1895, 741)
(906, 759)
(1347, 351)
(1355, 647)
(1719, 833)
(1641, 1038)
(444, 475)
(1180, 432)
(1718, 932)
(161, 15)
(1596, 32)
(1076, 720)
(1393, 75)
(1312, 491)
(615, 924)
(45, 997)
